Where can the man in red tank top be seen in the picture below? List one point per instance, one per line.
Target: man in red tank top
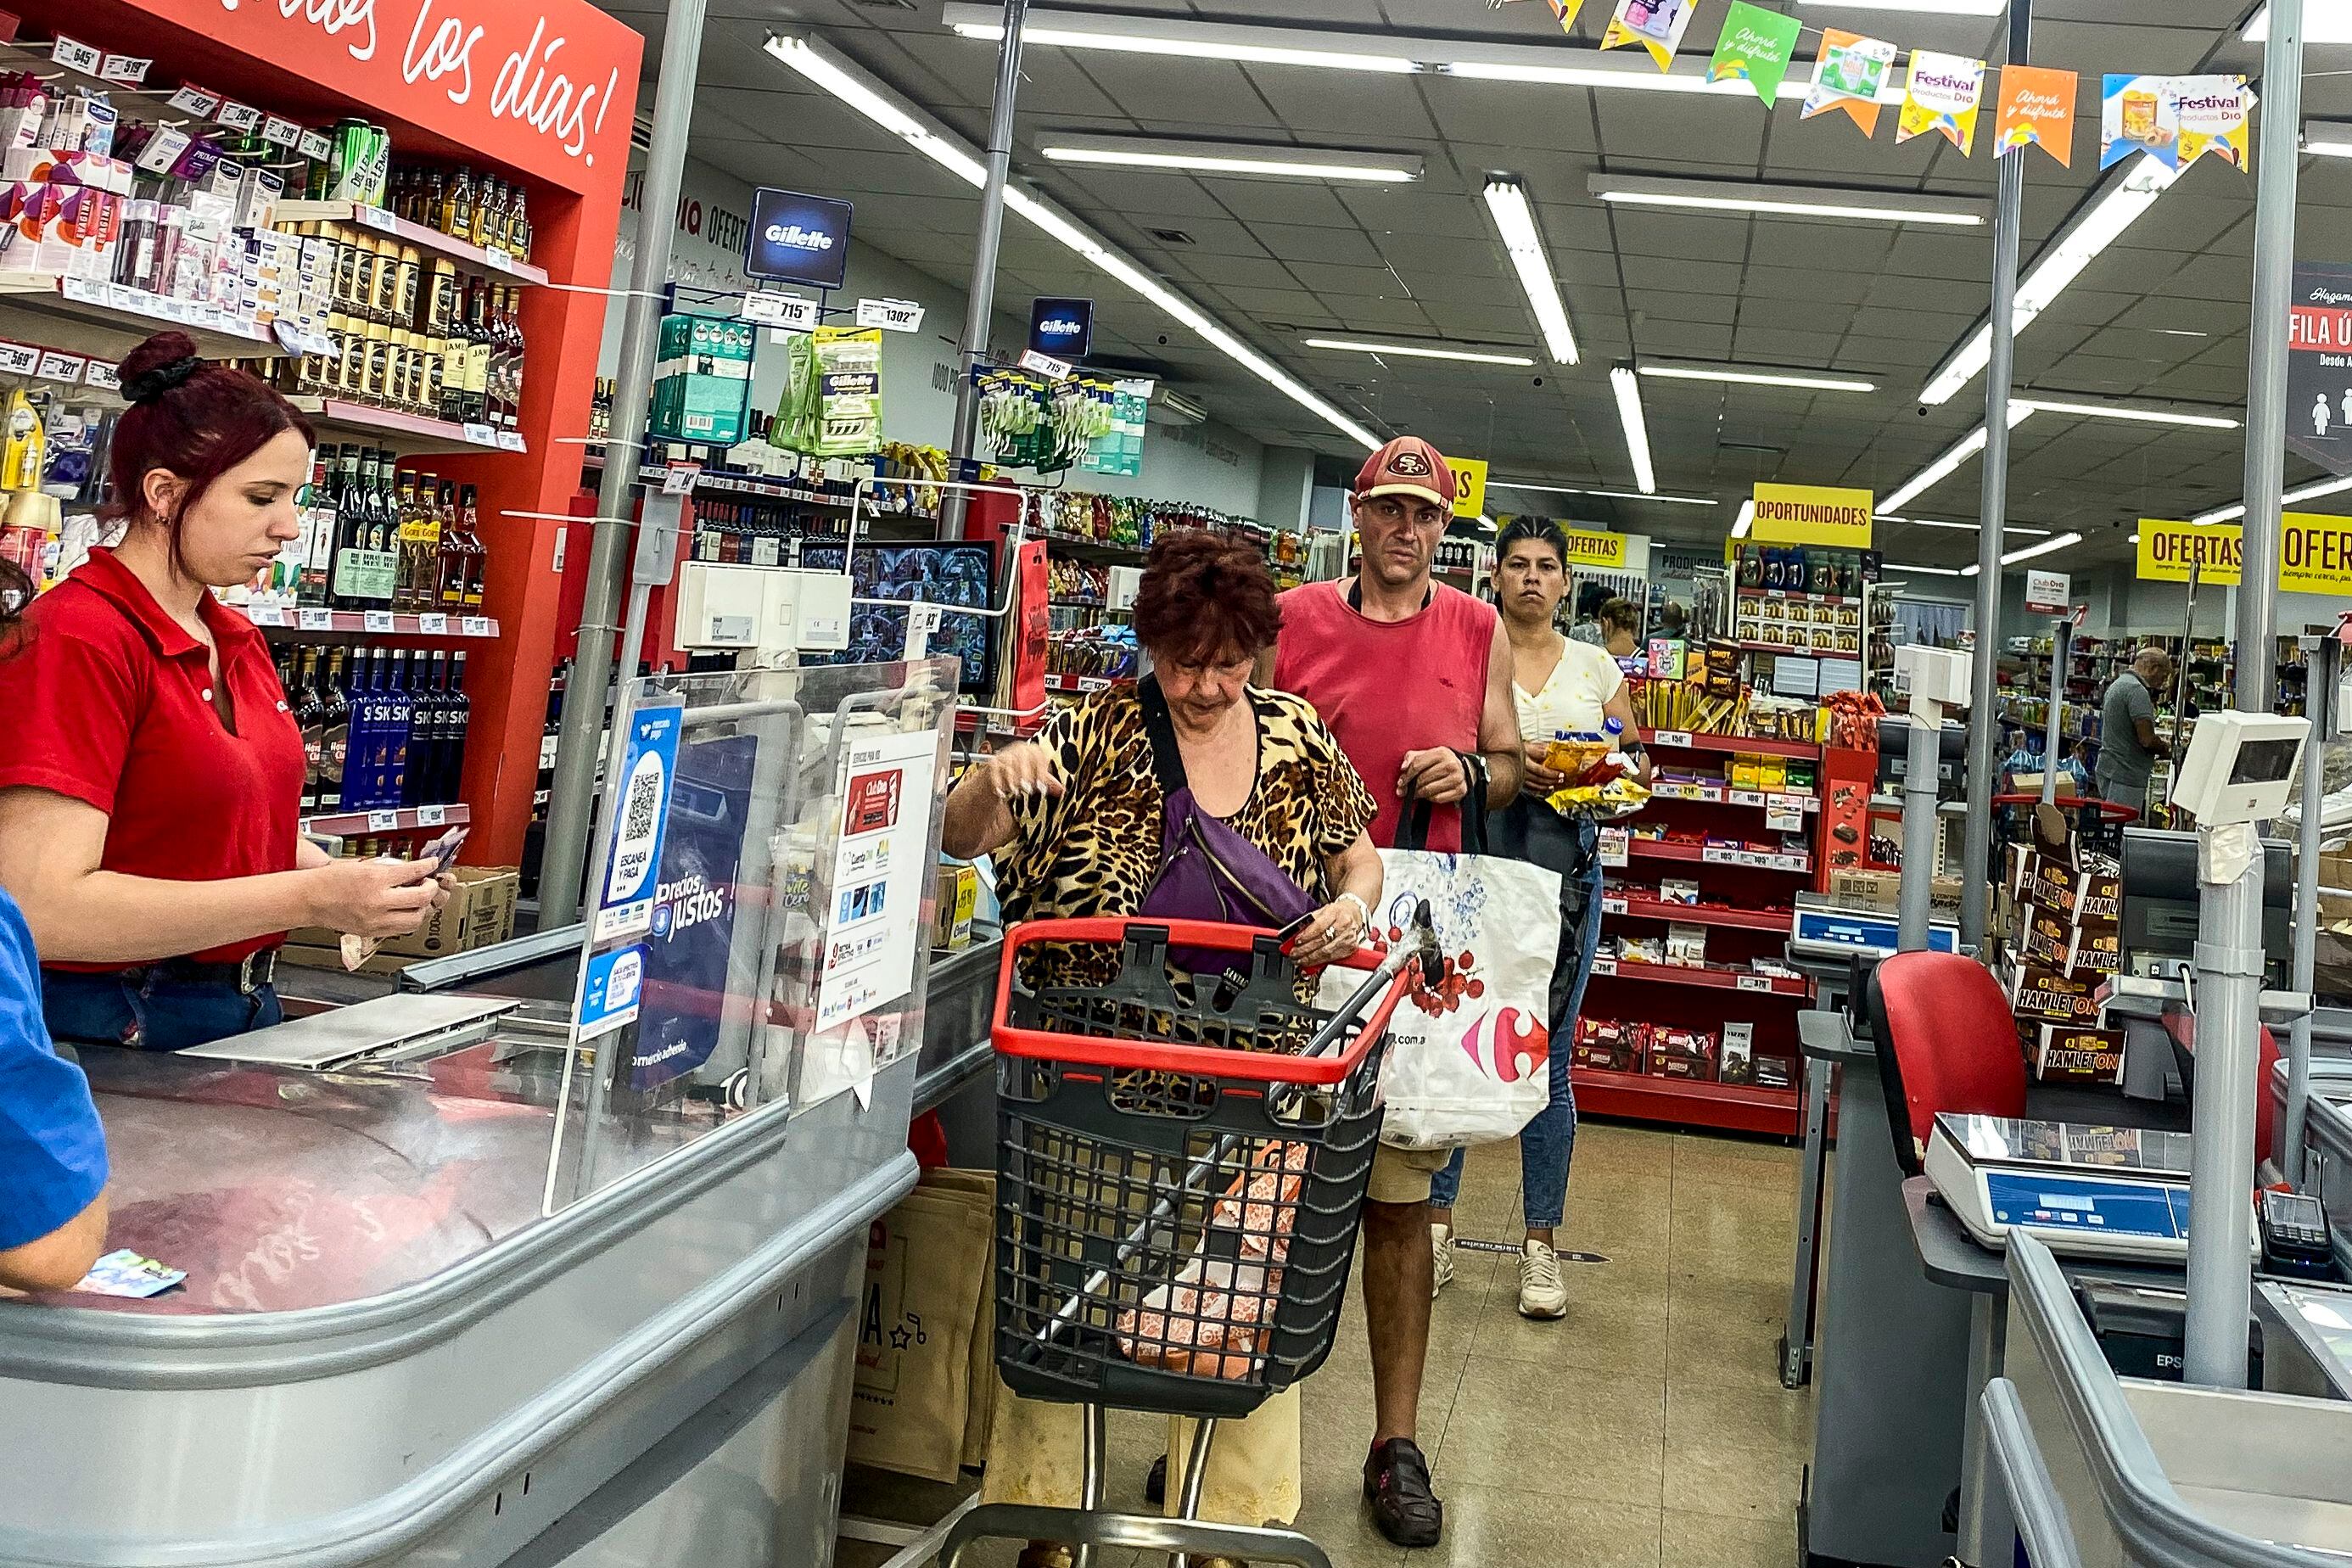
(1414, 679)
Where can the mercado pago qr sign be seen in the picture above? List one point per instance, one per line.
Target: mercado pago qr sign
(550, 85)
(2314, 553)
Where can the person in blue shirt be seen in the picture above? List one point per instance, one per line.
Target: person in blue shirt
(52, 1148)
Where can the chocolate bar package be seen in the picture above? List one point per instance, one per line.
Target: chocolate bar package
(2094, 951)
(2067, 1055)
(2042, 994)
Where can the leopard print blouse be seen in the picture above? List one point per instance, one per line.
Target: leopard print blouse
(1094, 850)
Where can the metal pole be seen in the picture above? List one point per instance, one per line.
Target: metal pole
(2281, 150)
(571, 797)
(980, 299)
(2051, 730)
(1984, 716)
(2319, 675)
(1921, 764)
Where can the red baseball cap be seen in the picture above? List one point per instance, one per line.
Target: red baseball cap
(1408, 466)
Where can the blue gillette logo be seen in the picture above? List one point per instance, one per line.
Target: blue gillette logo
(797, 238)
(1062, 328)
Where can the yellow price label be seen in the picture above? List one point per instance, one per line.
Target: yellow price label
(1469, 485)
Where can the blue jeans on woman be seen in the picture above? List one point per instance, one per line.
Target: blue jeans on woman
(148, 1011)
(1546, 1142)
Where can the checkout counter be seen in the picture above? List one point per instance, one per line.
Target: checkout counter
(476, 1274)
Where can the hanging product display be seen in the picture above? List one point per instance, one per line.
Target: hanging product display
(2037, 109)
(1940, 98)
(1848, 75)
(1028, 421)
(1120, 449)
(1656, 24)
(702, 379)
(1755, 46)
(831, 405)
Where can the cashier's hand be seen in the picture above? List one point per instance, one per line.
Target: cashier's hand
(1027, 769)
(1540, 780)
(1435, 775)
(374, 898)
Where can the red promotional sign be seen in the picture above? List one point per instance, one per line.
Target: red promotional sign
(2319, 365)
(548, 87)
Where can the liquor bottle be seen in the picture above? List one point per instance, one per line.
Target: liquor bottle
(486, 215)
(519, 226)
(359, 735)
(476, 553)
(457, 214)
(425, 728)
(399, 722)
(477, 352)
(345, 574)
(310, 710)
(449, 567)
(403, 535)
(457, 713)
(318, 513)
(510, 323)
(334, 734)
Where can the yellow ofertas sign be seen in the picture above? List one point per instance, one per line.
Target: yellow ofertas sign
(1812, 514)
(1605, 551)
(1469, 485)
(2314, 553)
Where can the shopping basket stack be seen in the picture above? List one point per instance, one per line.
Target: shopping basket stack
(1180, 1166)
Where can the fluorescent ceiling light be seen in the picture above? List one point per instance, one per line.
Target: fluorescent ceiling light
(1233, 158)
(2091, 231)
(1409, 351)
(1746, 519)
(1763, 198)
(1946, 462)
(1627, 387)
(2237, 509)
(1925, 7)
(1754, 376)
(2046, 547)
(2323, 22)
(2328, 138)
(1614, 495)
(2126, 412)
(1515, 220)
(1970, 527)
(1175, 36)
(1929, 571)
(825, 67)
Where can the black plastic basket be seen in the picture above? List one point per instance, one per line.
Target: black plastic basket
(1180, 1169)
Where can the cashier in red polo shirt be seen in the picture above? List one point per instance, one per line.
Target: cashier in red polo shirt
(152, 775)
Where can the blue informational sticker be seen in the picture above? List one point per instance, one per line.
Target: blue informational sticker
(610, 991)
(640, 822)
(694, 911)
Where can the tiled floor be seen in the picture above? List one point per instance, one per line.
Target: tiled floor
(1647, 1430)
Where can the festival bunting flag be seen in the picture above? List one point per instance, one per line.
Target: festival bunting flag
(1941, 97)
(2139, 114)
(2213, 114)
(1656, 24)
(1849, 74)
(1755, 48)
(2037, 109)
(1564, 13)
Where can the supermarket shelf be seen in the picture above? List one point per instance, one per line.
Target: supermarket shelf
(1097, 549)
(1691, 975)
(430, 240)
(1750, 745)
(1739, 1107)
(413, 433)
(406, 819)
(1665, 849)
(369, 622)
(1795, 596)
(1696, 914)
(1717, 855)
(1796, 652)
(1080, 685)
(84, 316)
(1723, 795)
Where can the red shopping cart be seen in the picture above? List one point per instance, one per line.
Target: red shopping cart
(1180, 1165)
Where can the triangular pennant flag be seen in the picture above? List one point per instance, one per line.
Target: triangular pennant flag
(1940, 97)
(1849, 74)
(2213, 114)
(1564, 13)
(2139, 114)
(1656, 24)
(2037, 109)
(1755, 48)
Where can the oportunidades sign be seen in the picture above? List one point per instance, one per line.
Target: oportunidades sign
(1813, 514)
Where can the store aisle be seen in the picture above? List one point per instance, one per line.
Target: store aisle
(1647, 1430)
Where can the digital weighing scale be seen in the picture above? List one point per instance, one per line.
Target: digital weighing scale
(2083, 1190)
(1821, 930)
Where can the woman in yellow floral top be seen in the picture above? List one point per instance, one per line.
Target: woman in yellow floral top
(1073, 823)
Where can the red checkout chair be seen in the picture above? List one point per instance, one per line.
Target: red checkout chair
(1945, 1041)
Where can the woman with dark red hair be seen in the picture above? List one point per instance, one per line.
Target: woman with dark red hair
(1075, 822)
(150, 788)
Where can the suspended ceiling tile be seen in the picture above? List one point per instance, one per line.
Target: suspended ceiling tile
(1306, 204)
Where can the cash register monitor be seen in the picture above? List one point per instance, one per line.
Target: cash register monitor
(2159, 899)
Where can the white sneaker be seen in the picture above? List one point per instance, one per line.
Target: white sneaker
(1440, 1247)
(1542, 1292)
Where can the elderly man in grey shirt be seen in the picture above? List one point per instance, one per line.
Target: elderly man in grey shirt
(2128, 743)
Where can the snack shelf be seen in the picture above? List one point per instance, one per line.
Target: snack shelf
(1692, 974)
(1099, 549)
(1696, 914)
(1723, 795)
(307, 620)
(1717, 855)
(1732, 1107)
(391, 819)
(1791, 650)
(363, 216)
(1082, 685)
(1665, 849)
(1752, 746)
(1797, 596)
(414, 434)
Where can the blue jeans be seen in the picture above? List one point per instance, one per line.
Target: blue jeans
(1546, 1142)
(150, 1013)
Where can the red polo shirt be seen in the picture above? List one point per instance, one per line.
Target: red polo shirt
(110, 700)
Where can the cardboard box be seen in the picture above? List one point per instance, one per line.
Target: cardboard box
(2067, 1055)
(2095, 950)
(496, 891)
(310, 957)
(1879, 891)
(955, 891)
(2042, 994)
(480, 911)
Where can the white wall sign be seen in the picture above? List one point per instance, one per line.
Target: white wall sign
(2045, 593)
(890, 315)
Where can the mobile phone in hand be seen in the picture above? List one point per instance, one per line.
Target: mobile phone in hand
(1289, 934)
(443, 851)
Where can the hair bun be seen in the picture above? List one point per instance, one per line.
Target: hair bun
(157, 366)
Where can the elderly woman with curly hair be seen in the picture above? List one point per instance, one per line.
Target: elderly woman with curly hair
(1073, 823)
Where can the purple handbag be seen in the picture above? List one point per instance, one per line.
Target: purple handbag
(1207, 871)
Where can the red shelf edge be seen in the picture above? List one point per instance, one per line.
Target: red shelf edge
(1710, 979)
(1738, 1108)
(1755, 745)
(1728, 919)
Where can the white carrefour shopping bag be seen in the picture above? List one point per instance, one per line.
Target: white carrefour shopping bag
(1469, 1048)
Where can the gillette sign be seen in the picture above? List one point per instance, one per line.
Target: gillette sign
(1062, 329)
(796, 238)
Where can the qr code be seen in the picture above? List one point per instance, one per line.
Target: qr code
(645, 800)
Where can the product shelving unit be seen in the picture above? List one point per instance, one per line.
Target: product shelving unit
(391, 819)
(430, 240)
(409, 435)
(312, 621)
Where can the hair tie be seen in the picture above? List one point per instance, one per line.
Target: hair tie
(150, 385)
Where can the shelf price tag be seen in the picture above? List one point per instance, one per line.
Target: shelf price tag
(481, 435)
(1612, 906)
(1604, 966)
(383, 821)
(1755, 983)
(56, 366)
(677, 480)
(99, 375)
(786, 312)
(433, 623)
(1670, 737)
(19, 359)
(238, 116)
(370, 216)
(266, 615)
(315, 144)
(1046, 365)
(1781, 818)
(1713, 856)
(128, 70)
(315, 620)
(497, 260)
(280, 132)
(476, 627)
(922, 620)
(1746, 797)
(74, 55)
(375, 621)
(194, 100)
(510, 440)
(432, 815)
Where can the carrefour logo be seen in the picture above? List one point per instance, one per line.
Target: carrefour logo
(799, 239)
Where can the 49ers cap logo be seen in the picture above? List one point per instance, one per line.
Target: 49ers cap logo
(1409, 465)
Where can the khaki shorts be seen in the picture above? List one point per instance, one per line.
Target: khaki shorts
(1403, 1175)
